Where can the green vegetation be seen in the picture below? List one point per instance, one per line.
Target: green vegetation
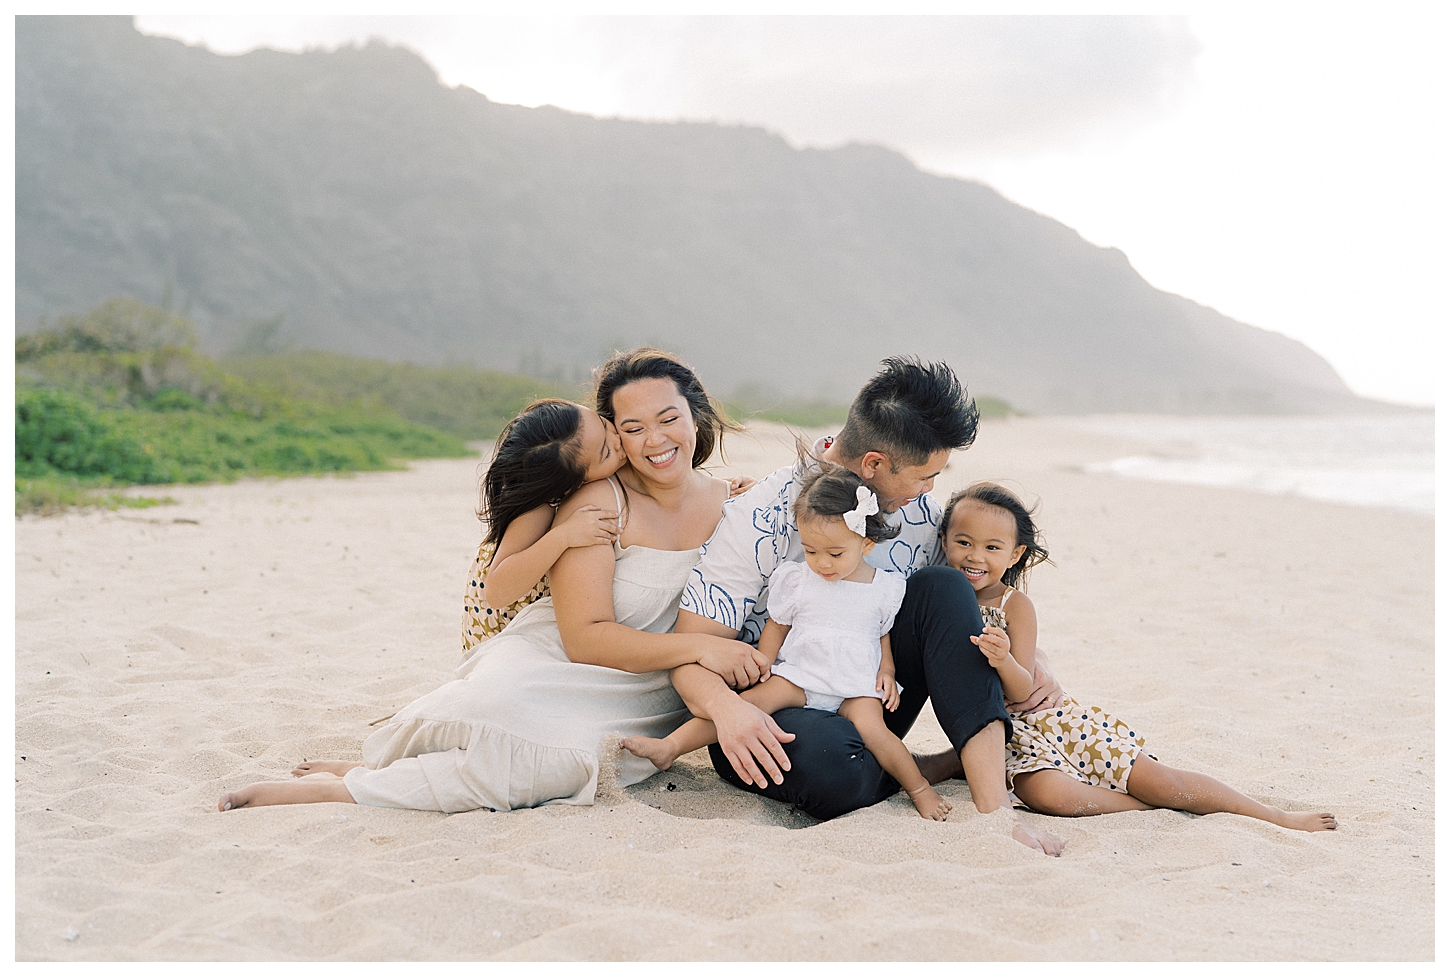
(55, 494)
(466, 403)
(475, 404)
(994, 407)
(120, 325)
(796, 413)
(118, 396)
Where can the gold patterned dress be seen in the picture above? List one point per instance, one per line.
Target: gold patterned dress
(1084, 741)
(481, 622)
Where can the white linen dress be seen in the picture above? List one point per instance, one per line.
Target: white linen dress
(522, 725)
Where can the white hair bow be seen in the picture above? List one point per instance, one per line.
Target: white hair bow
(866, 505)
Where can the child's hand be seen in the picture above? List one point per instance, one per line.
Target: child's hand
(590, 525)
(995, 644)
(886, 689)
(741, 484)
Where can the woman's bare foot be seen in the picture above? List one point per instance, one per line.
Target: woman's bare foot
(335, 767)
(1303, 821)
(930, 804)
(658, 752)
(1043, 841)
(285, 792)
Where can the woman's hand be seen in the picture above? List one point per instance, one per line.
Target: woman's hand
(589, 525)
(741, 484)
(741, 665)
(886, 689)
(995, 644)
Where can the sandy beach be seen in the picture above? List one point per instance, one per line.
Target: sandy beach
(170, 654)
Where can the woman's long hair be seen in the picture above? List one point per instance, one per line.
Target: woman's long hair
(535, 462)
(647, 363)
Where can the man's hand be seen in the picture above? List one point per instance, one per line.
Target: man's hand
(995, 644)
(751, 741)
(1046, 682)
(886, 689)
(741, 665)
(1046, 692)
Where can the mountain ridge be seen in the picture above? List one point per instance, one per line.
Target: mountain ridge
(380, 213)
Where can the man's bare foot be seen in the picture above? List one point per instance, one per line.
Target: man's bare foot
(335, 767)
(286, 792)
(658, 752)
(1043, 841)
(930, 804)
(1303, 821)
(937, 767)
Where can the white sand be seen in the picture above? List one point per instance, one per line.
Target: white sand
(166, 655)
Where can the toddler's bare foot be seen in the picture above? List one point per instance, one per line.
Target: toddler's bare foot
(1303, 821)
(930, 804)
(1043, 841)
(286, 792)
(335, 767)
(658, 752)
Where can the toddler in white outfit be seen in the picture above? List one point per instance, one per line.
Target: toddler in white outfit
(829, 630)
(832, 651)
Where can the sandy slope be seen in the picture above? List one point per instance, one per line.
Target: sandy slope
(168, 654)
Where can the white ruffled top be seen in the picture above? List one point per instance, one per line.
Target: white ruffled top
(834, 644)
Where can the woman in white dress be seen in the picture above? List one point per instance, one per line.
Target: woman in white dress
(525, 721)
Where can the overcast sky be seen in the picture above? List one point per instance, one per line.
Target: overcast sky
(1285, 169)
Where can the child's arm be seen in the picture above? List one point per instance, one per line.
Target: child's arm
(1046, 690)
(772, 636)
(741, 484)
(1013, 652)
(530, 547)
(886, 677)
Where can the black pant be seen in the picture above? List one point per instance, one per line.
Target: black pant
(831, 771)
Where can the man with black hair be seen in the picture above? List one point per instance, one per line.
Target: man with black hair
(899, 433)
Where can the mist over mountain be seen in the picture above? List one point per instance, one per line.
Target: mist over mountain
(348, 201)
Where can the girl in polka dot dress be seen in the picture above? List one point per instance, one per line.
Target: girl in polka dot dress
(543, 455)
(1071, 759)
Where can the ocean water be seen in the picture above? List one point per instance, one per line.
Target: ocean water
(1386, 462)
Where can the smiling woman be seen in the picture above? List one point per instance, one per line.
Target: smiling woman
(530, 714)
(645, 363)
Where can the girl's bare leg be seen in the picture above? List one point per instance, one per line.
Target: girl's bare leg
(866, 715)
(335, 767)
(1162, 786)
(774, 694)
(286, 792)
(1062, 795)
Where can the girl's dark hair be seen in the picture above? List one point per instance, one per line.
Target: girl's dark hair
(535, 462)
(647, 363)
(990, 493)
(830, 491)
